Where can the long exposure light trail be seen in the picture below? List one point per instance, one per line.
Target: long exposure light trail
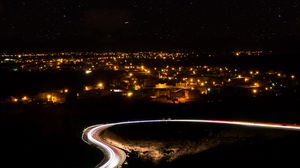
(115, 157)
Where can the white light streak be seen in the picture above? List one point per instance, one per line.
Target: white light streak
(116, 158)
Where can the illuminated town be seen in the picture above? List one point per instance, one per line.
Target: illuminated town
(156, 76)
(149, 83)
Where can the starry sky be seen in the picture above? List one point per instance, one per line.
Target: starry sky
(148, 24)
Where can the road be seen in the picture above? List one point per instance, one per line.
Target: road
(115, 157)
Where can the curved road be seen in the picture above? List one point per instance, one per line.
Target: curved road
(115, 157)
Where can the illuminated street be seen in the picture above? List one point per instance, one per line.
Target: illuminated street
(115, 157)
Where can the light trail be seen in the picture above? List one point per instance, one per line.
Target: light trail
(115, 157)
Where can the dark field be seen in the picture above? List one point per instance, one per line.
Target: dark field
(50, 135)
(179, 144)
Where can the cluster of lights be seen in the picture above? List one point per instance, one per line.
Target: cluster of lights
(98, 86)
(251, 52)
(195, 78)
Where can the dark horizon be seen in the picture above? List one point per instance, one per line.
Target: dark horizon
(149, 25)
(159, 47)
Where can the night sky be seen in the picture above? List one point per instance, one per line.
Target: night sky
(148, 24)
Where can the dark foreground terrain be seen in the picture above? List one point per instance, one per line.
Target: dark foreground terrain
(50, 135)
(179, 144)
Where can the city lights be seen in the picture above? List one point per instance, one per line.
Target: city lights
(87, 88)
(15, 100)
(129, 94)
(66, 64)
(256, 84)
(100, 85)
(160, 81)
(293, 76)
(88, 72)
(25, 98)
